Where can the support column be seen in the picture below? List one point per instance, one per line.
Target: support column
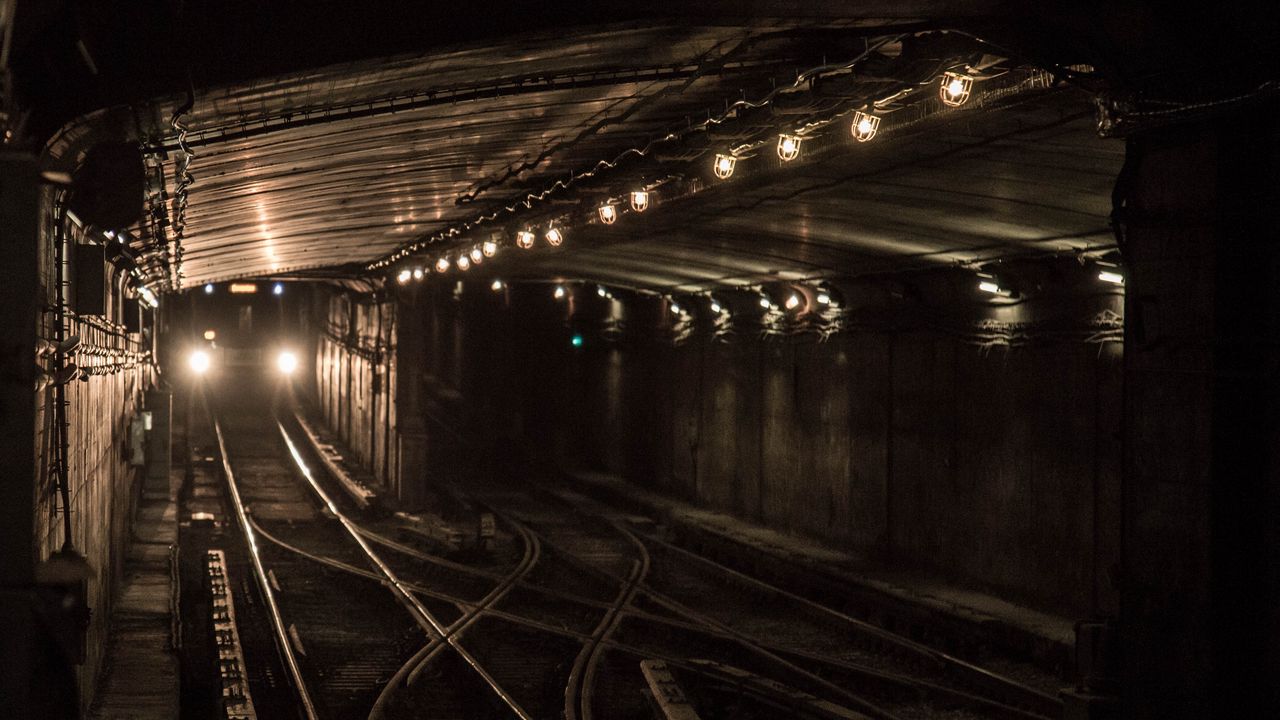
(1200, 593)
(411, 432)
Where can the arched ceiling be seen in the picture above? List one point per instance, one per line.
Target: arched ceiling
(362, 168)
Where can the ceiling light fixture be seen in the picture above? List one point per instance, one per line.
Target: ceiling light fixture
(788, 147)
(864, 126)
(724, 166)
(955, 89)
(1111, 276)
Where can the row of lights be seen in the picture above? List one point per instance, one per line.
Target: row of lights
(463, 261)
(992, 285)
(794, 300)
(954, 90)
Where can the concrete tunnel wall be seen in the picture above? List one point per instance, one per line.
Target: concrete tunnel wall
(917, 440)
(103, 486)
(355, 377)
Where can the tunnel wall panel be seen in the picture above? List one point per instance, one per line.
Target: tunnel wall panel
(913, 447)
(355, 377)
(102, 485)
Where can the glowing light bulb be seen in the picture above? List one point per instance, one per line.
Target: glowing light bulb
(554, 237)
(1114, 278)
(476, 255)
(788, 147)
(208, 288)
(601, 291)
(793, 301)
(955, 89)
(442, 265)
(715, 307)
(403, 276)
(608, 213)
(823, 299)
(489, 248)
(524, 239)
(199, 362)
(560, 292)
(864, 126)
(210, 334)
(286, 362)
(496, 286)
(576, 340)
(639, 200)
(277, 289)
(994, 288)
(766, 303)
(463, 263)
(724, 166)
(675, 308)
(419, 273)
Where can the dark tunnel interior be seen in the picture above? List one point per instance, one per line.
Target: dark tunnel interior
(787, 359)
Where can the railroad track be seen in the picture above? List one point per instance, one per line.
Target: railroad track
(557, 624)
(345, 626)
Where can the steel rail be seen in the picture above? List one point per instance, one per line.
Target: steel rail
(584, 693)
(398, 588)
(944, 660)
(870, 673)
(277, 621)
(533, 554)
(408, 672)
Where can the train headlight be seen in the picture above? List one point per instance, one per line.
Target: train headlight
(286, 362)
(199, 361)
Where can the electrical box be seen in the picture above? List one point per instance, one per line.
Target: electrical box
(89, 279)
(132, 315)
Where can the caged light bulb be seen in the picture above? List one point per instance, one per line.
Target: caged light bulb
(724, 166)
(788, 147)
(476, 255)
(524, 239)
(640, 200)
(864, 126)
(403, 276)
(489, 248)
(464, 263)
(442, 265)
(419, 273)
(955, 89)
(554, 237)
(608, 213)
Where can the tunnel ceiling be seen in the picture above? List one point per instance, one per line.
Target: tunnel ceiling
(365, 168)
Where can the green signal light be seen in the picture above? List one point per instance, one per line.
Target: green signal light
(576, 340)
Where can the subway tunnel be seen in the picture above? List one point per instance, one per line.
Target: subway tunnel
(733, 360)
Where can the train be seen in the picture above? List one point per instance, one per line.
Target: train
(245, 326)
